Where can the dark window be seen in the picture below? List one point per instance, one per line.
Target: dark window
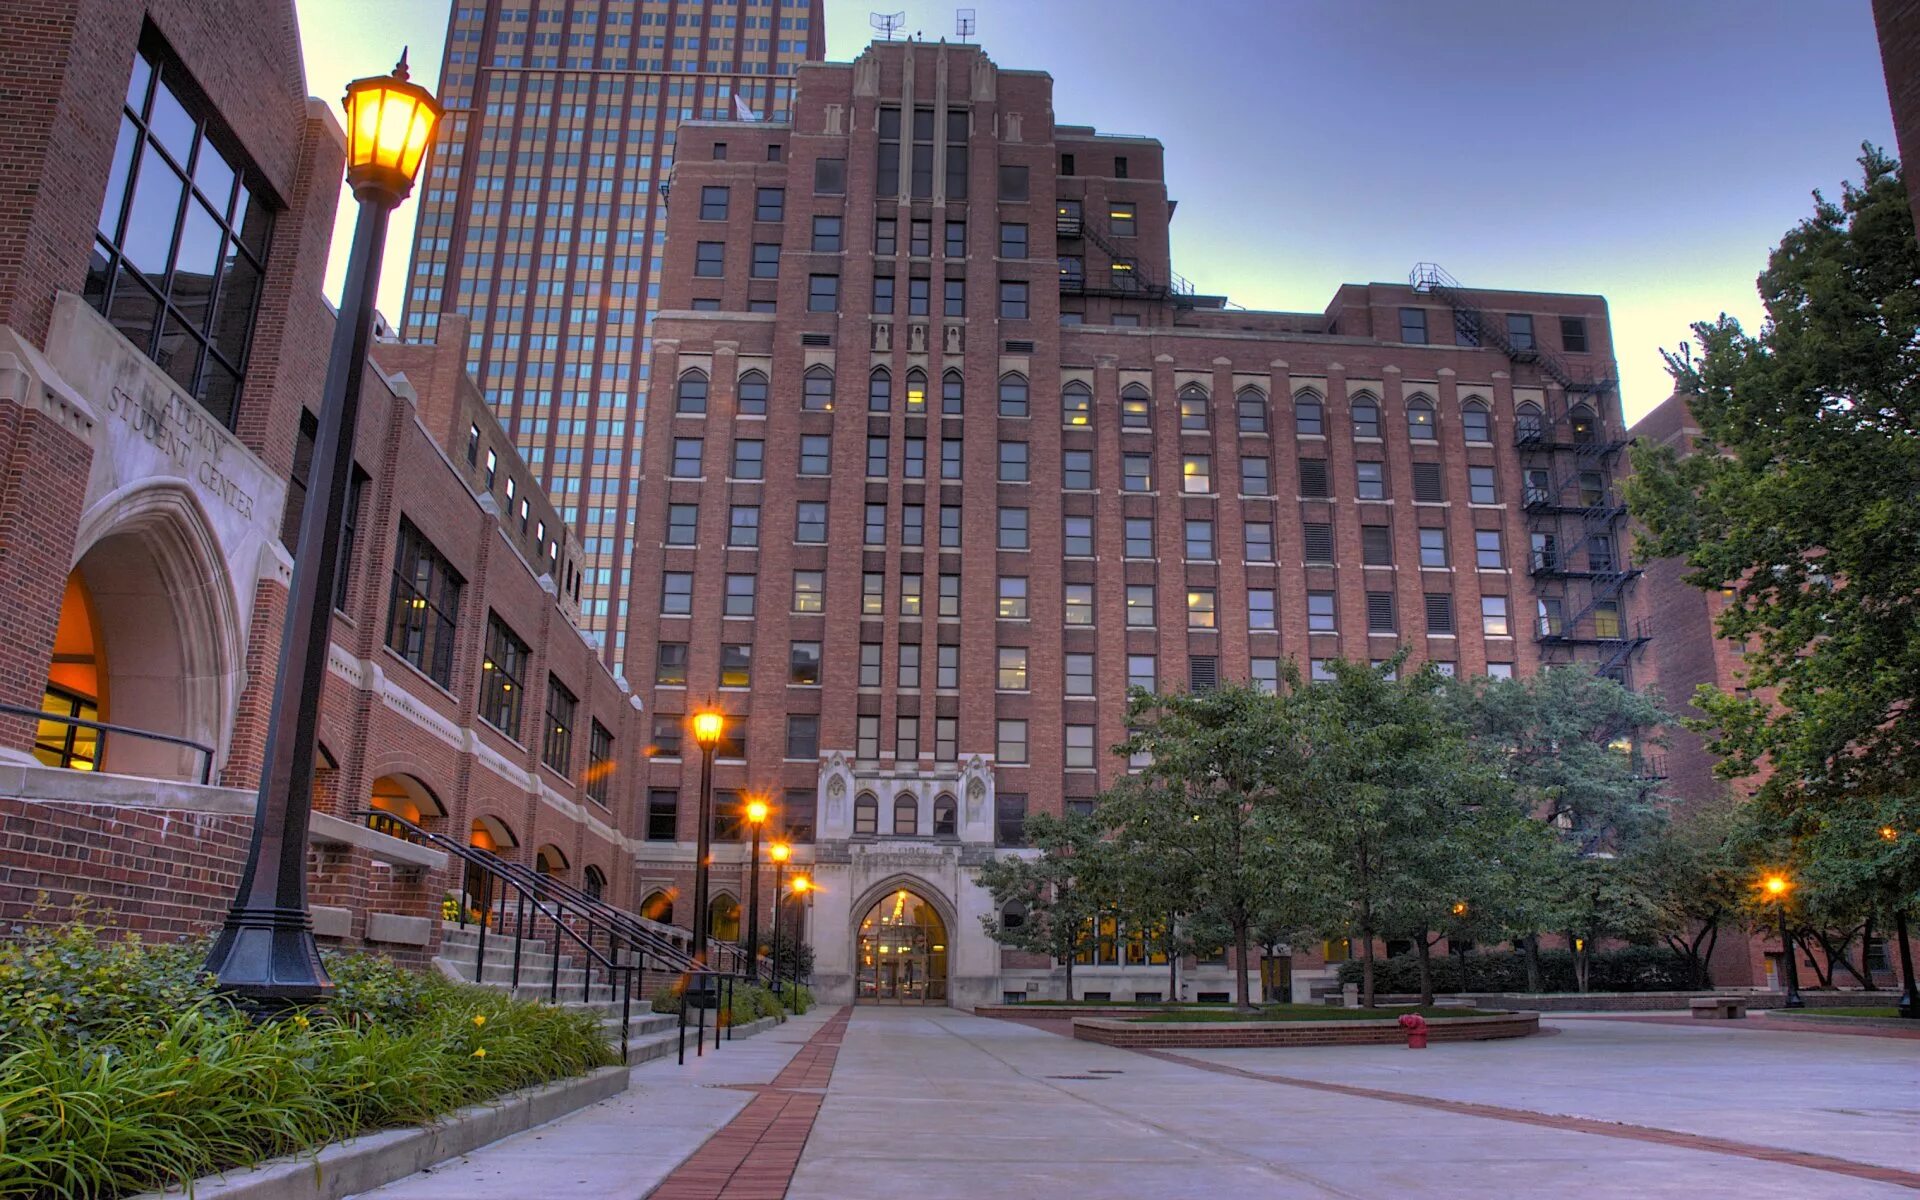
(1013, 183)
(770, 204)
(1520, 330)
(1251, 409)
(1013, 462)
(1255, 479)
(557, 748)
(1370, 480)
(810, 521)
(803, 736)
(1013, 396)
(803, 663)
(1475, 422)
(1313, 478)
(1013, 300)
(823, 293)
(182, 240)
(501, 687)
(1010, 819)
(1076, 469)
(663, 813)
(883, 294)
(600, 766)
(953, 393)
(670, 664)
(1380, 612)
(1203, 672)
(1366, 418)
(1013, 240)
(1119, 166)
(706, 304)
(1139, 537)
(920, 238)
(690, 394)
(1077, 536)
(1480, 488)
(766, 260)
(826, 234)
(1439, 612)
(1427, 482)
(1413, 326)
(719, 151)
(683, 524)
(753, 393)
(743, 526)
(1067, 165)
(775, 152)
(886, 235)
(954, 303)
(709, 259)
(1573, 334)
(1318, 537)
(956, 239)
(829, 176)
(713, 204)
(686, 457)
(424, 604)
(879, 398)
(816, 454)
(1376, 545)
(918, 290)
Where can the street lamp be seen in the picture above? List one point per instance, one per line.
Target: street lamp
(779, 852)
(802, 886)
(265, 955)
(757, 811)
(1776, 887)
(707, 727)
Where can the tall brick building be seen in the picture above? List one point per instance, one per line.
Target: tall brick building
(943, 457)
(544, 219)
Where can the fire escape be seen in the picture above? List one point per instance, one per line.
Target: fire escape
(1569, 458)
(1125, 278)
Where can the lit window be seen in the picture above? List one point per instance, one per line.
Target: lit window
(1493, 615)
(1013, 598)
(1201, 611)
(1196, 473)
(809, 592)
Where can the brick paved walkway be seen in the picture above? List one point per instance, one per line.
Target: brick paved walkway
(754, 1155)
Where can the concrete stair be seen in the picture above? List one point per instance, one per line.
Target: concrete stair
(647, 1034)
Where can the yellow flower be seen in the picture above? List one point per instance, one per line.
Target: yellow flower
(479, 1019)
(480, 1053)
(302, 1021)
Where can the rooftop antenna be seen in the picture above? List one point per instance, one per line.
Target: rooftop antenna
(964, 23)
(886, 23)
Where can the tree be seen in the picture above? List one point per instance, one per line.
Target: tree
(1697, 876)
(1057, 891)
(1215, 811)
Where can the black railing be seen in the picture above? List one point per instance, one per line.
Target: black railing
(206, 751)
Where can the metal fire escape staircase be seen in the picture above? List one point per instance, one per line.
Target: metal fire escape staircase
(1126, 280)
(1563, 452)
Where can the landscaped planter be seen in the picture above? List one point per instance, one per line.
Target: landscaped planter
(1171, 1035)
(1062, 1011)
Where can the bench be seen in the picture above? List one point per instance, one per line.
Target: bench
(1718, 1008)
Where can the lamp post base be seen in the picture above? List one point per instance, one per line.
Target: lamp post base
(268, 962)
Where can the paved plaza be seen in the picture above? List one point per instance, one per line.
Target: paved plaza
(933, 1103)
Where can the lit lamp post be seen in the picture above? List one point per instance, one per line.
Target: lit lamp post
(1776, 888)
(756, 820)
(802, 886)
(707, 727)
(265, 955)
(779, 852)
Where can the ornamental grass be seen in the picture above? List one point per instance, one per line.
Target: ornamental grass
(121, 1070)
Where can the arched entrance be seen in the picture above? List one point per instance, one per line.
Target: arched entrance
(901, 952)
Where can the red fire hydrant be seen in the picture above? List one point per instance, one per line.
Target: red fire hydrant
(1416, 1027)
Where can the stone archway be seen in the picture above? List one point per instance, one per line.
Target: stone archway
(902, 933)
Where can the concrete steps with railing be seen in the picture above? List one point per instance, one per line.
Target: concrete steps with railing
(459, 958)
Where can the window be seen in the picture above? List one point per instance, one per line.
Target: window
(1009, 819)
(736, 665)
(883, 294)
(766, 260)
(1013, 182)
(1079, 603)
(670, 664)
(1255, 476)
(1202, 611)
(1013, 300)
(1439, 606)
(1480, 489)
(663, 814)
(713, 204)
(1013, 240)
(907, 672)
(1011, 675)
(1136, 472)
(874, 529)
(1320, 617)
(1427, 483)
(1012, 528)
(1585, 432)
(1013, 598)
(870, 668)
(1370, 480)
(1309, 415)
(683, 523)
(823, 293)
(1076, 537)
(1136, 407)
(1199, 539)
(709, 259)
(1606, 620)
(1420, 420)
(920, 238)
(1079, 674)
(952, 462)
(953, 390)
(810, 521)
(1140, 605)
(866, 808)
(1380, 612)
(1493, 615)
(956, 246)
(1139, 537)
(1376, 546)
(1317, 539)
(946, 748)
(743, 526)
(1527, 423)
(910, 594)
(803, 736)
(1258, 538)
(1520, 330)
(826, 234)
(1013, 462)
(947, 667)
(1314, 484)
(1260, 611)
(1076, 470)
(954, 298)
(877, 457)
(1593, 488)
(886, 235)
(1264, 674)
(1193, 410)
(1142, 672)
(917, 295)
(1013, 395)
(1251, 408)
(182, 241)
(1476, 423)
(873, 593)
(906, 806)
(1600, 554)
(749, 459)
(500, 678)
(1196, 474)
(706, 304)
(829, 176)
(808, 592)
(1573, 334)
(1076, 405)
(959, 128)
(803, 663)
(1079, 748)
(423, 606)
(1433, 547)
(1320, 670)
(676, 593)
(817, 391)
(949, 595)
(1486, 549)
(739, 596)
(950, 526)
(690, 394)
(1011, 742)
(816, 454)
(1413, 326)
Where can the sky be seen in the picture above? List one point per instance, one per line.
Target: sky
(1650, 151)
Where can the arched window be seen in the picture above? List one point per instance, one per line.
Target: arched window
(817, 394)
(658, 906)
(916, 391)
(1366, 416)
(1476, 422)
(1136, 407)
(1252, 405)
(723, 919)
(1076, 404)
(906, 815)
(1585, 429)
(1309, 414)
(1527, 423)
(550, 860)
(1420, 421)
(1193, 409)
(945, 816)
(1013, 916)
(866, 814)
(879, 390)
(753, 393)
(690, 397)
(953, 393)
(594, 881)
(1013, 395)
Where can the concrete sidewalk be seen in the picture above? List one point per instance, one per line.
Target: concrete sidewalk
(622, 1147)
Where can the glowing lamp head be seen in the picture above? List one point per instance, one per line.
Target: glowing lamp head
(1889, 833)
(1460, 908)
(757, 812)
(390, 124)
(801, 884)
(779, 852)
(1776, 885)
(706, 728)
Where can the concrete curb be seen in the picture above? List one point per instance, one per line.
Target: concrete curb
(360, 1164)
(1814, 1019)
(1219, 1035)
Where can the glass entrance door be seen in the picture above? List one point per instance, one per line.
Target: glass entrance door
(902, 953)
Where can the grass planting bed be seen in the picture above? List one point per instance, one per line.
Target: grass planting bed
(122, 1071)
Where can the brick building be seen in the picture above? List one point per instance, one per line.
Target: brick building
(544, 220)
(917, 541)
(167, 195)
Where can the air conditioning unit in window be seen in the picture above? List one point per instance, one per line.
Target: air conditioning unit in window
(816, 339)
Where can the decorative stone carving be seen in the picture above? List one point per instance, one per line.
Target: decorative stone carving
(1013, 127)
(985, 78)
(976, 800)
(833, 117)
(954, 337)
(916, 338)
(866, 75)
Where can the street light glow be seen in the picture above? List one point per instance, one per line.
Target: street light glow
(757, 811)
(707, 725)
(802, 884)
(779, 852)
(390, 123)
(1776, 885)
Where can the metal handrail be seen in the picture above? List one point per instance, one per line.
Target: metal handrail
(206, 751)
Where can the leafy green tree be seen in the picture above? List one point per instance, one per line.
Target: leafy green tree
(1697, 875)
(1059, 891)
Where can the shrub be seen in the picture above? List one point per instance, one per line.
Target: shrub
(798, 997)
(1625, 969)
(106, 1098)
